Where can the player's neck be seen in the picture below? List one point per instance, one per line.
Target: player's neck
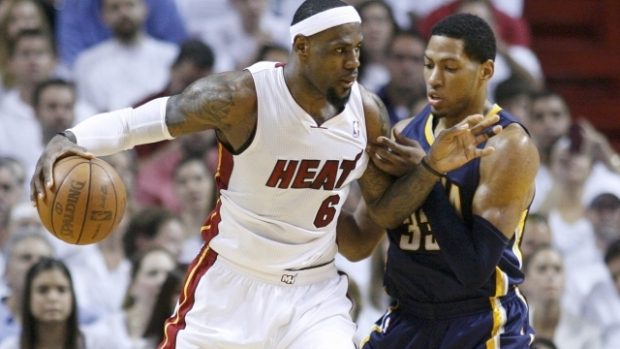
(307, 96)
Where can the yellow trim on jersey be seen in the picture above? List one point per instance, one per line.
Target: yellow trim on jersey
(501, 283)
(428, 130)
(375, 328)
(516, 249)
(499, 320)
(494, 110)
(428, 127)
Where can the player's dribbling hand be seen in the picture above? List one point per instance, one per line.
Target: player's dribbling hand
(395, 156)
(57, 148)
(456, 146)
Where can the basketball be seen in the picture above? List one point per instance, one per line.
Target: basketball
(86, 202)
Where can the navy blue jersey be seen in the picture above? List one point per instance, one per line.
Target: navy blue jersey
(416, 270)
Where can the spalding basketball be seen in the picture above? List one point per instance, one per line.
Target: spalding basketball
(86, 202)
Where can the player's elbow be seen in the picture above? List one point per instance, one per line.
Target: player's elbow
(356, 254)
(385, 220)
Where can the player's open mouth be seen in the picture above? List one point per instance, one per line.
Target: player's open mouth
(434, 99)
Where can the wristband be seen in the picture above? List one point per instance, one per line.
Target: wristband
(68, 135)
(430, 169)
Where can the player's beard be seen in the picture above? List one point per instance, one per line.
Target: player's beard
(337, 101)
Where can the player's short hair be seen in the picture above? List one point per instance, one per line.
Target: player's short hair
(310, 8)
(474, 31)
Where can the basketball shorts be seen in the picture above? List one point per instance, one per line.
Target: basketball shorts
(225, 306)
(504, 324)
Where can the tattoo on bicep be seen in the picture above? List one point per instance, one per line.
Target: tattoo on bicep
(200, 108)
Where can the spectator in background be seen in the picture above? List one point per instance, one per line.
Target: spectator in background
(550, 119)
(272, 53)
(12, 178)
(602, 304)
(194, 61)
(513, 31)
(127, 67)
(148, 273)
(378, 27)
(544, 287)
(24, 249)
(17, 15)
(237, 37)
(536, 234)
(79, 25)
(515, 96)
(54, 106)
(511, 59)
(199, 14)
(195, 188)
(31, 61)
(406, 87)
(164, 305)
(153, 226)
(155, 176)
(101, 273)
(50, 315)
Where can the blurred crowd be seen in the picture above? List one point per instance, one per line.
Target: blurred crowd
(62, 61)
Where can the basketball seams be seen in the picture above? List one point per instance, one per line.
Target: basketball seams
(86, 210)
(82, 219)
(116, 203)
(64, 179)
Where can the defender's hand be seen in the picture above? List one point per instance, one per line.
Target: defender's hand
(397, 156)
(57, 148)
(457, 145)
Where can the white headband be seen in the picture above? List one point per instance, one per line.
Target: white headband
(325, 20)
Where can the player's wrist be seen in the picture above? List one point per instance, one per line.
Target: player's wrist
(68, 135)
(427, 164)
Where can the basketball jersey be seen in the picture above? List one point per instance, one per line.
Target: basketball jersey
(416, 270)
(281, 196)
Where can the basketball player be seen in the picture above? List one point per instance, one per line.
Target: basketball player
(454, 263)
(291, 140)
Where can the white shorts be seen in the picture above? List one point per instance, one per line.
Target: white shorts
(225, 306)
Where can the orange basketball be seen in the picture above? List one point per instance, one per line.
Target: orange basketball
(86, 202)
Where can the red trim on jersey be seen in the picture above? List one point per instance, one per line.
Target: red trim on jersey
(200, 265)
(224, 169)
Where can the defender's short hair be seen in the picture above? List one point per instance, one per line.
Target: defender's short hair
(310, 8)
(474, 31)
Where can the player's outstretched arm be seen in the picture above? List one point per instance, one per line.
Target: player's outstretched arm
(225, 102)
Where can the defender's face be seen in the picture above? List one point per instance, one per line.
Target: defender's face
(333, 61)
(452, 78)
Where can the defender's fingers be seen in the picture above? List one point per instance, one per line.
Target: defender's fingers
(402, 139)
(485, 123)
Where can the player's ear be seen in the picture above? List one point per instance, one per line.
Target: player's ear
(487, 69)
(301, 45)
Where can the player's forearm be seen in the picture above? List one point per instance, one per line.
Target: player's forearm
(119, 130)
(472, 253)
(405, 195)
(357, 235)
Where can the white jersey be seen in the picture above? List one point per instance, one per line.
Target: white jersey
(281, 196)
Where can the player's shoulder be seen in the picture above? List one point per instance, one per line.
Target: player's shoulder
(375, 113)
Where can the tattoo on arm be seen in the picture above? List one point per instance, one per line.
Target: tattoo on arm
(204, 105)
